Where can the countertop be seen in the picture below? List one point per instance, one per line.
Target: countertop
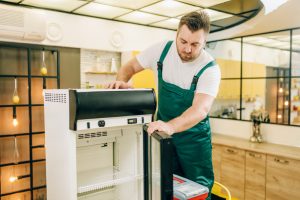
(267, 148)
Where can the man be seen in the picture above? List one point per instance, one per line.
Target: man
(188, 82)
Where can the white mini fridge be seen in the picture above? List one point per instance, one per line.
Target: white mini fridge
(97, 147)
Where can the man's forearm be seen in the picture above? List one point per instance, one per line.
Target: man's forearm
(188, 119)
(126, 71)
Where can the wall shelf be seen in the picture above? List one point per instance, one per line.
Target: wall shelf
(101, 73)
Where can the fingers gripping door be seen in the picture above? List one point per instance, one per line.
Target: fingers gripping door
(158, 166)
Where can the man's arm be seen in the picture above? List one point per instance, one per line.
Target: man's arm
(192, 116)
(125, 73)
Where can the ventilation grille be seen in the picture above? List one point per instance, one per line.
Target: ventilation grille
(92, 135)
(58, 98)
(11, 18)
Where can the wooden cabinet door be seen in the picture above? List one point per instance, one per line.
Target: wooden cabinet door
(283, 178)
(216, 158)
(255, 181)
(233, 171)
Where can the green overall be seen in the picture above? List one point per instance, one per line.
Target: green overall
(192, 148)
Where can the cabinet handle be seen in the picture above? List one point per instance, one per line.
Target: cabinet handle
(255, 155)
(281, 161)
(231, 151)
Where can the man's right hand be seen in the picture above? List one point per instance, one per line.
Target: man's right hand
(118, 85)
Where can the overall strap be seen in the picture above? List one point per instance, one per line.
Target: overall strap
(196, 77)
(163, 55)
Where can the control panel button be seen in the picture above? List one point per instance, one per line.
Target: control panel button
(132, 121)
(88, 125)
(101, 123)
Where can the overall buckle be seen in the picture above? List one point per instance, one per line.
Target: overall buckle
(159, 65)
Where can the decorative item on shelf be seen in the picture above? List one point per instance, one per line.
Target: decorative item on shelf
(16, 98)
(113, 67)
(44, 70)
(15, 120)
(257, 117)
(88, 85)
(100, 86)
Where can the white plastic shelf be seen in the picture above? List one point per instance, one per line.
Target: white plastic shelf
(103, 178)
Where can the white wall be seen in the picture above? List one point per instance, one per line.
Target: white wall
(91, 33)
(278, 134)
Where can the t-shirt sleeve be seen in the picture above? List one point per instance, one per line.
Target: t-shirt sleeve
(209, 81)
(149, 57)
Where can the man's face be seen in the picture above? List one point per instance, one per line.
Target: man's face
(189, 44)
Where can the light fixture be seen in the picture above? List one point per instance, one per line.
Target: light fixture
(63, 5)
(169, 8)
(215, 15)
(286, 103)
(15, 178)
(271, 5)
(44, 70)
(44, 85)
(280, 90)
(16, 98)
(16, 153)
(279, 116)
(15, 121)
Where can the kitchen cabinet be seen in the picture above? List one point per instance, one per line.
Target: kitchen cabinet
(251, 69)
(232, 170)
(283, 178)
(216, 152)
(230, 89)
(255, 170)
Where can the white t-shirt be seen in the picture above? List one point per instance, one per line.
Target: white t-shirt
(179, 73)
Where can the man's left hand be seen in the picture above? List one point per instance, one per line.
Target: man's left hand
(160, 126)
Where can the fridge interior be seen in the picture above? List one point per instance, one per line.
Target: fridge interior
(110, 164)
(155, 183)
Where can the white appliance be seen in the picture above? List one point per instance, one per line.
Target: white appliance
(97, 147)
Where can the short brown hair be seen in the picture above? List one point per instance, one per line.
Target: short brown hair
(196, 21)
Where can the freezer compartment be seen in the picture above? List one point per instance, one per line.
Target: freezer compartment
(110, 163)
(99, 104)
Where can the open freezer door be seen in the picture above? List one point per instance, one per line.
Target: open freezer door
(159, 173)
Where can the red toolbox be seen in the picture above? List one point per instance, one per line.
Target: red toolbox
(185, 189)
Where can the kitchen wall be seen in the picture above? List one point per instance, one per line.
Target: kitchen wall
(97, 61)
(91, 33)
